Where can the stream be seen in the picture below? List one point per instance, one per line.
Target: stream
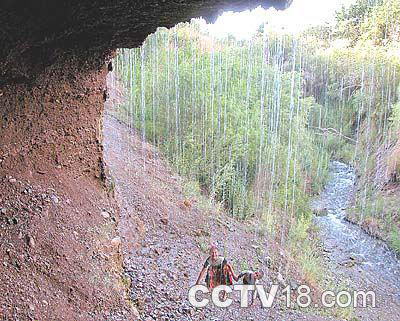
(356, 256)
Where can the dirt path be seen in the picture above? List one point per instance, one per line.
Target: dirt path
(165, 235)
(356, 259)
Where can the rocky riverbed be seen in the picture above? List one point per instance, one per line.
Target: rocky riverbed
(356, 259)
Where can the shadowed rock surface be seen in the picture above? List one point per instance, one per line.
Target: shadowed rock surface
(36, 34)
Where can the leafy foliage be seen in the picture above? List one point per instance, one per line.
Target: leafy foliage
(229, 115)
(256, 122)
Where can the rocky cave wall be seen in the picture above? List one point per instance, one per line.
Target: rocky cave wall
(53, 67)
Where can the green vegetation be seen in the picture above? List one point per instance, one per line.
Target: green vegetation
(253, 124)
(395, 240)
(359, 68)
(231, 116)
(370, 20)
(303, 246)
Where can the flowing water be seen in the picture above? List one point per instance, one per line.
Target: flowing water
(368, 262)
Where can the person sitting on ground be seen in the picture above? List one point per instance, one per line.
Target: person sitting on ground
(219, 271)
(250, 277)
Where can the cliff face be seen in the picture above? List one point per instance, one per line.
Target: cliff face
(59, 251)
(56, 122)
(59, 247)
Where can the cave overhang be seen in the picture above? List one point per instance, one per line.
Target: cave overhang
(37, 34)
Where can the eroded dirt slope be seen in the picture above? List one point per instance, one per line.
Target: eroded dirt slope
(57, 259)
